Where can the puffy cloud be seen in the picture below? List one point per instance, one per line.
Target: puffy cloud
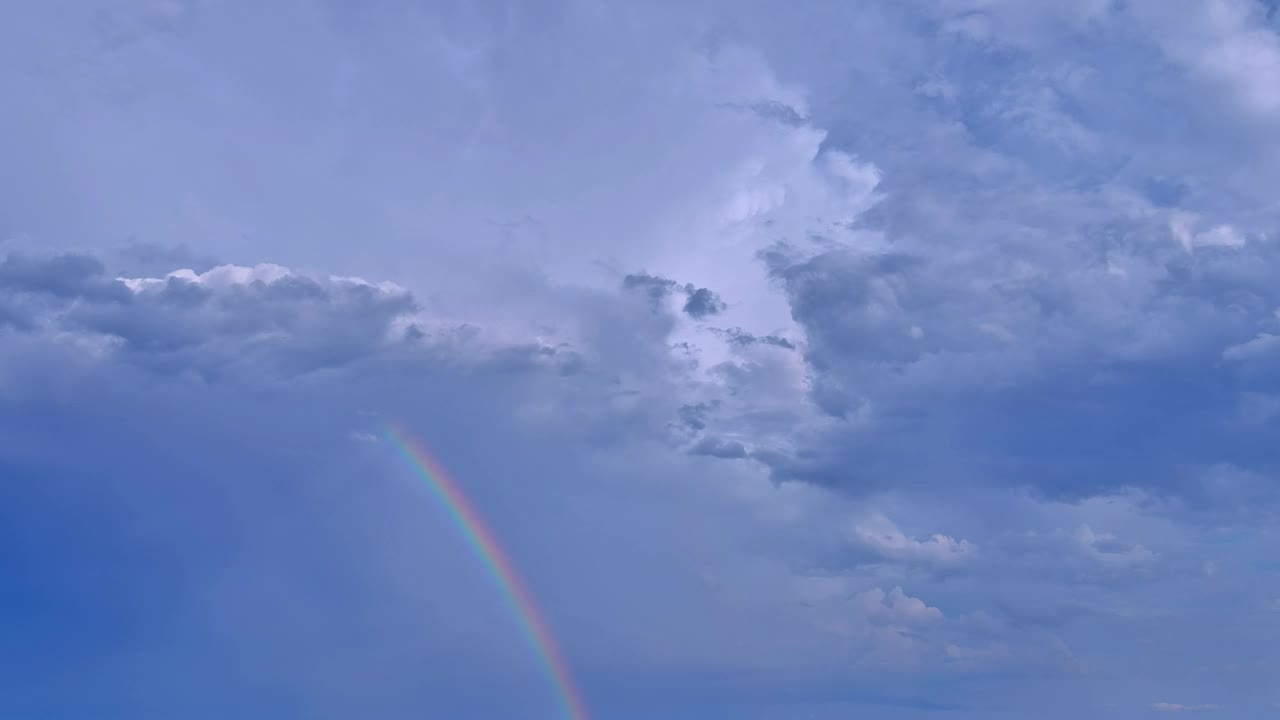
(719, 447)
(1227, 42)
(883, 540)
(65, 276)
(700, 302)
(1106, 550)
(897, 608)
(742, 338)
(325, 353)
(229, 319)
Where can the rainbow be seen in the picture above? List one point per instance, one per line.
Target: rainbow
(485, 545)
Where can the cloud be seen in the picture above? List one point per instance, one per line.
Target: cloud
(261, 319)
(1176, 707)
(700, 302)
(210, 346)
(64, 276)
(881, 538)
(742, 338)
(1181, 226)
(1229, 42)
(897, 608)
(1082, 554)
(718, 447)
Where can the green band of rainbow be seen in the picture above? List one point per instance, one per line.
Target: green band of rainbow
(485, 544)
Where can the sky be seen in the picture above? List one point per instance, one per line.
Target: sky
(895, 359)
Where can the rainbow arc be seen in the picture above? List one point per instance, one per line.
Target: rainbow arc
(502, 571)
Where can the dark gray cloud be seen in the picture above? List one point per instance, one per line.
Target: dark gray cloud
(141, 259)
(772, 110)
(700, 303)
(1045, 380)
(741, 338)
(695, 416)
(656, 288)
(268, 332)
(230, 319)
(719, 447)
(65, 276)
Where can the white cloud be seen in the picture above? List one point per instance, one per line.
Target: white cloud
(1263, 346)
(879, 535)
(1182, 226)
(897, 608)
(1177, 707)
(1235, 46)
(1107, 550)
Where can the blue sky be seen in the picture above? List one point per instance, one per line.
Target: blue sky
(883, 359)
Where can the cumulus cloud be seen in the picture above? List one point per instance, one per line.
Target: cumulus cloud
(897, 608)
(64, 276)
(1182, 227)
(260, 319)
(880, 537)
(699, 303)
(742, 338)
(719, 447)
(702, 303)
(1082, 555)
(1227, 42)
(1105, 549)
(328, 348)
